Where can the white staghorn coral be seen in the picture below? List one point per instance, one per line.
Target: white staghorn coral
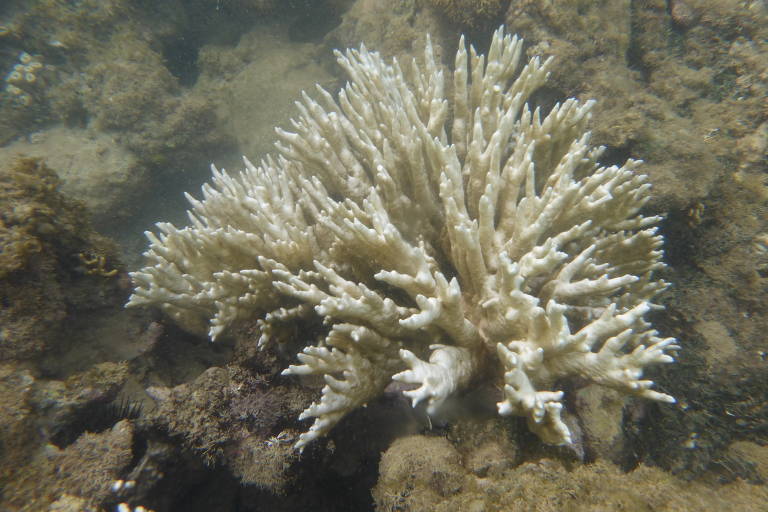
(441, 238)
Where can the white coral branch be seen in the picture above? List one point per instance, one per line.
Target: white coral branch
(448, 370)
(542, 408)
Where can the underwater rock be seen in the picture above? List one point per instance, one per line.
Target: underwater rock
(233, 417)
(106, 177)
(417, 472)
(471, 13)
(52, 263)
(426, 474)
(85, 469)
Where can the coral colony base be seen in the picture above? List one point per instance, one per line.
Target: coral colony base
(439, 237)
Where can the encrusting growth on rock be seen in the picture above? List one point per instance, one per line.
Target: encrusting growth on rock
(441, 239)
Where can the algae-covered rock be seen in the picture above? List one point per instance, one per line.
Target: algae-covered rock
(85, 470)
(105, 176)
(427, 474)
(231, 416)
(394, 29)
(472, 14)
(418, 472)
(17, 422)
(43, 419)
(52, 264)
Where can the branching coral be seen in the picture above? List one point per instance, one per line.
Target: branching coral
(441, 238)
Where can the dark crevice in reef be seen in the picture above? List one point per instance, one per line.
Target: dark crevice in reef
(95, 417)
(634, 49)
(180, 56)
(311, 20)
(615, 156)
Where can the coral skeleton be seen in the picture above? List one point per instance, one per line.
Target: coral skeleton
(444, 233)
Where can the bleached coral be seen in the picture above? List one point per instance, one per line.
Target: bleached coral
(443, 238)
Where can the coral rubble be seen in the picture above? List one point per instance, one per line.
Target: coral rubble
(442, 239)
